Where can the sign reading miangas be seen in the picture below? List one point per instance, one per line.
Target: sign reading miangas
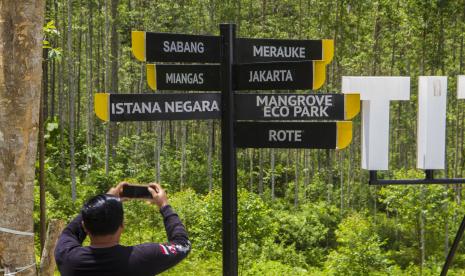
(198, 77)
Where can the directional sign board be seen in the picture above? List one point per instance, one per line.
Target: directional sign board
(296, 106)
(168, 47)
(250, 50)
(183, 77)
(251, 76)
(310, 135)
(155, 107)
(279, 75)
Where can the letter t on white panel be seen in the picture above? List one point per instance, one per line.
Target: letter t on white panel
(460, 87)
(376, 94)
(431, 132)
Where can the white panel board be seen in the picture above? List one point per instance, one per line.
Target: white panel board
(376, 94)
(460, 87)
(431, 132)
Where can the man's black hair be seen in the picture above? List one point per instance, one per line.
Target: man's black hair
(102, 214)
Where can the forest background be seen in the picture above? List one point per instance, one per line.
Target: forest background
(308, 212)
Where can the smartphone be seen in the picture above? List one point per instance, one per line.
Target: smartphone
(136, 191)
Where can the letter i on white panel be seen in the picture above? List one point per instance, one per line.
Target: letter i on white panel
(460, 87)
(376, 94)
(431, 132)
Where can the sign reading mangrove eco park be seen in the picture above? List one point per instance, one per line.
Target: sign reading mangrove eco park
(185, 64)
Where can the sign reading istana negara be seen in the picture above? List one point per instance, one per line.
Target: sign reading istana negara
(155, 107)
(296, 106)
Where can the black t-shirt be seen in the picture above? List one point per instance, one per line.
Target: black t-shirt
(149, 259)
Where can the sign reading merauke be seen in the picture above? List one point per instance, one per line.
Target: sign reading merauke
(155, 107)
(250, 50)
(296, 106)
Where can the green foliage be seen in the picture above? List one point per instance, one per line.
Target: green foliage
(359, 249)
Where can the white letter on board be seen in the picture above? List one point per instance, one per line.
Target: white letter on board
(460, 87)
(431, 131)
(375, 94)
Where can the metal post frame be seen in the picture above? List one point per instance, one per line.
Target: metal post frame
(453, 249)
(228, 151)
(429, 179)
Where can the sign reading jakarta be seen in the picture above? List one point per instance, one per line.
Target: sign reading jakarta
(279, 75)
(153, 107)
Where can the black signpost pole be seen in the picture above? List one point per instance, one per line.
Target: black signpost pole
(228, 150)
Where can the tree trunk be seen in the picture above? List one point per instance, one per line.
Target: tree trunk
(42, 115)
(71, 103)
(260, 172)
(296, 182)
(211, 138)
(159, 145)
(183, 152)
(251, 169)
(47, 261)
(90, 94)
(20, 87)
(272, 157)
(114, 43)
(78, 78)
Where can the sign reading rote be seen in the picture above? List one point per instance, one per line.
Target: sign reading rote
(310, 135)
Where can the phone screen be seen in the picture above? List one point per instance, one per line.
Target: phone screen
(136, 191)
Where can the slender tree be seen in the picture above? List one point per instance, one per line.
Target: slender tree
(20, 88)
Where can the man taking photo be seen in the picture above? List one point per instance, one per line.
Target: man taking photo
(101, 218)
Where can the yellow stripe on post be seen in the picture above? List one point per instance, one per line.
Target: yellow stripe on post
(101, 106)
(319, 74)
(138, 44)
(152, 76)
(343, 134)
(351, 105)
(328, 50)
